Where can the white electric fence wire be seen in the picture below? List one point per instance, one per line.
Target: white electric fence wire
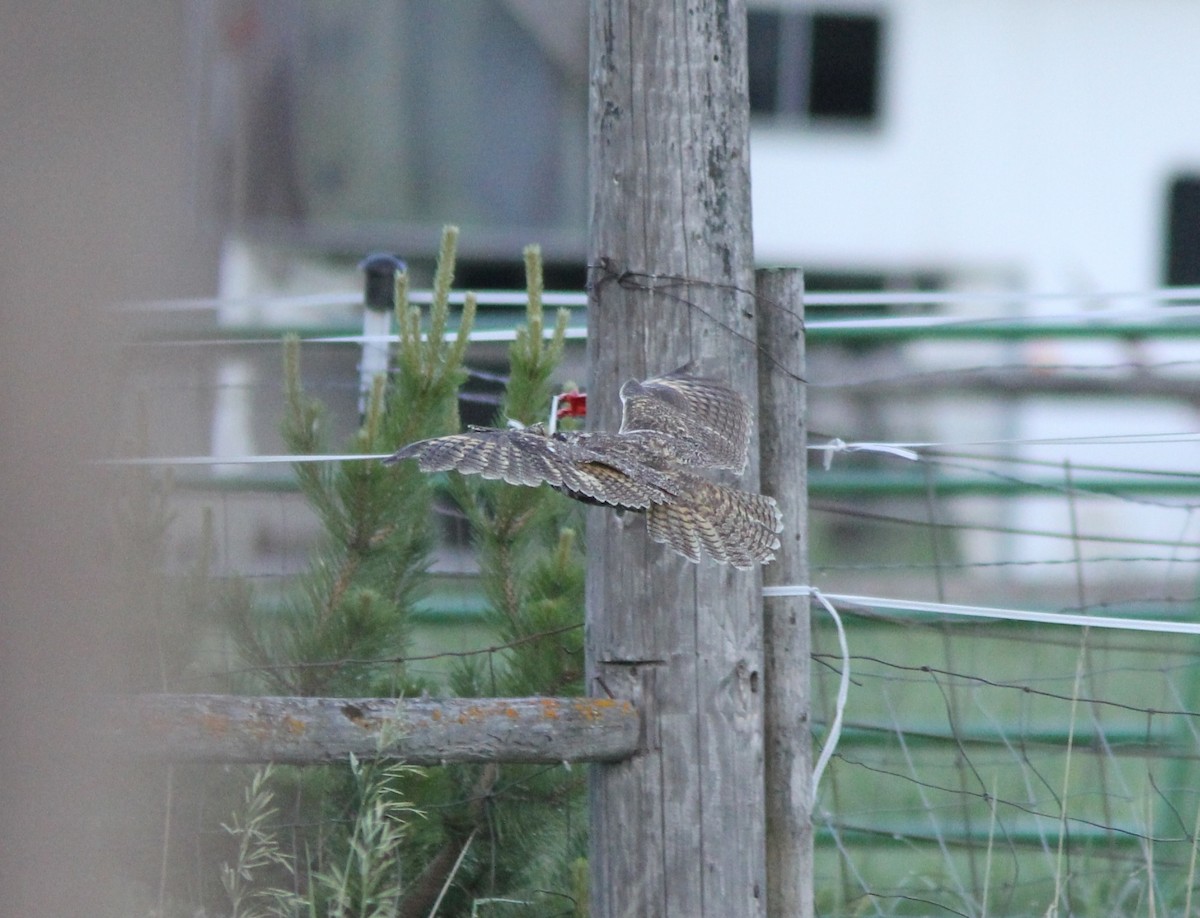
(835, 446)
(477, 337)
(350, 298)
(908, 450)
(1068, 619)
(910, 298)
(1095, 318)
(244, 460)
(580, 299)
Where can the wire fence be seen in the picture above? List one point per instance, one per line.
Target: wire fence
(971, 455)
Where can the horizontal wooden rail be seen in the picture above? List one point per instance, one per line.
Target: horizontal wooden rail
(311, 731)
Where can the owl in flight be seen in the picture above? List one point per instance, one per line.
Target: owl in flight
(670, 425)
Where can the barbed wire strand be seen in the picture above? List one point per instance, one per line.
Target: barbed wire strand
(1027, 755)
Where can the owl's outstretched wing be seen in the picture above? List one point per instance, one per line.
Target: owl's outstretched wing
(528, 457)
(668, 423)
(705, 423)
(731, 526)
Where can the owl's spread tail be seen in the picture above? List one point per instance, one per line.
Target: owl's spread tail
(731, 526)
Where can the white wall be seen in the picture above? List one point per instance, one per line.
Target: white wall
(1026, 136)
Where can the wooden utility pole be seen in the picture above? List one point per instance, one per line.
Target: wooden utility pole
(679, 829)
(786, 626)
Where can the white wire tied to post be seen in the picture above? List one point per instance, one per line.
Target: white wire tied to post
(838, 445)
(835, 727)
(909, 450)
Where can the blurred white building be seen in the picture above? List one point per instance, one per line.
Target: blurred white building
(1012, 146)
(1043, 145)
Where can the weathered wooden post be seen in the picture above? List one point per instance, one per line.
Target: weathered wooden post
(679, 829)
(786, 634)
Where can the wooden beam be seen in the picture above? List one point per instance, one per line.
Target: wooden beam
(312, 731)
(786, 622)
(678, 829)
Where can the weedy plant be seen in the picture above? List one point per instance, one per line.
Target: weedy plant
(362, 879)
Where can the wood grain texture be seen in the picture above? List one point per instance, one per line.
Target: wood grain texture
(786, 620)
(309, 731)
(679, 829)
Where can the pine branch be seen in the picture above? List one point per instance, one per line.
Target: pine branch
(531, 571)
(428, 885)
(378, 521)
(429, 371)
(302, 432)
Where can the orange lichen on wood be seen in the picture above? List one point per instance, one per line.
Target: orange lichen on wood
(596, 708)
(295, 725)
(214, 723)
(227, 728)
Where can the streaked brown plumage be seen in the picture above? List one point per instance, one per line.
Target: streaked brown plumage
(668, 423)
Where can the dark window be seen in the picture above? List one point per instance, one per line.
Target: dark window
(845, 67)
(476, 274)
(820, 67)
(1183, 232)
(763, 39)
